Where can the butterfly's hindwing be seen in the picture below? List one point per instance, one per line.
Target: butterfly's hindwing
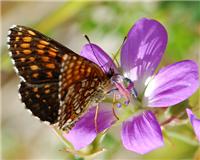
(76, 101)
(78, 81)
(42, 100)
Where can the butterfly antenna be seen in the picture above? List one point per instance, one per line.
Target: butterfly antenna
(115, 59)
(115, 55)
(118, 51)
(102, 66)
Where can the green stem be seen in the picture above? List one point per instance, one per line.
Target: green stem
(63, 139)
(62, 14)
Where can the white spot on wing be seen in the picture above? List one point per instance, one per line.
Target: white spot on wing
(76, 104)
(21, 78)
(76, 97)
(46, 122)
(83, 84)
(13, 62)
(10, 54)
(9, 32)
(29, 111)
(59, 84)
(69, 120)
(78, 111)
(8, 39)
(74, 57)
(93, 84)
(13, 26)
(19, 95)
(65, 57)
(62, 69)
(16, 70)
(36, 117)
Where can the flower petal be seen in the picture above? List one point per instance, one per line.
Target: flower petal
(98, 56)
(172, 84)
(143, 50)
(142, 133)
(195, 123)
(84, 131)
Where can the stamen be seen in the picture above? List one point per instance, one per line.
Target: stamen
(119, 105)
(127, 102)
(122, 89)
(134, 92)
(125, 87)
(131, 87)
(119, 83)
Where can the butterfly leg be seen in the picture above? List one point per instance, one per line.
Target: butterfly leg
(95, 118)
(113, 107)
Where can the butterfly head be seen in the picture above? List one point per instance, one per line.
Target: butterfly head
(110, 73)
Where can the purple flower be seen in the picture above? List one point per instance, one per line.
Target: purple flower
(84, 131)
(195, 123)
(140, 56)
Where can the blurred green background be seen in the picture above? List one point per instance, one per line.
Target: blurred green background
(106, 23)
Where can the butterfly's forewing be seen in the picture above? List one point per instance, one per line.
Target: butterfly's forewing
(37, 58)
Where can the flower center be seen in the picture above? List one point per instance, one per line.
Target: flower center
(125, 87)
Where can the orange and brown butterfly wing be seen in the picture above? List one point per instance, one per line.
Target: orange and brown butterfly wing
(37, 59)
(48, 69)
(76, 68)
(42, 100)
(79, 80)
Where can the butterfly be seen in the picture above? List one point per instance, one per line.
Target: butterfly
(56, 84)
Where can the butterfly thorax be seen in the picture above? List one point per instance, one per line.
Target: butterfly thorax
(102, 91)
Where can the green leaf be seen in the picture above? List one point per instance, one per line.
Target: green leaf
(178, 110)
